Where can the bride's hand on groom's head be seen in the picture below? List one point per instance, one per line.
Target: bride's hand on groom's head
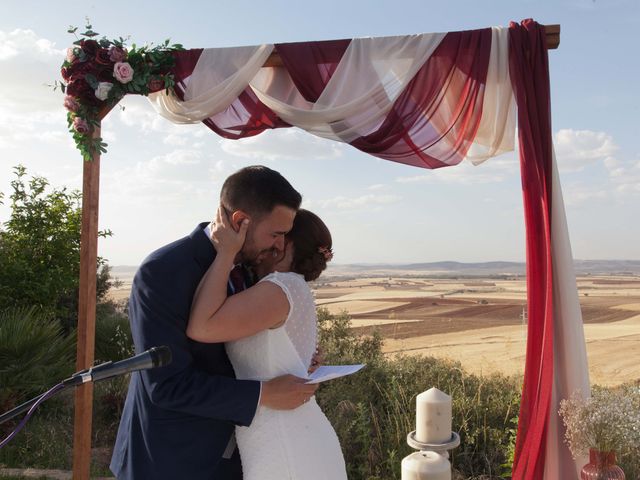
(224, 236)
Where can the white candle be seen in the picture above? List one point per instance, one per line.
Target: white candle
(433, 417)
(425, 466)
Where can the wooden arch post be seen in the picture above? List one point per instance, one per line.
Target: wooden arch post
(87, 291)
(83, 411)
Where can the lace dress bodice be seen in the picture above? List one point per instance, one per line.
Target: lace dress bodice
(286, 349)
(297, 444)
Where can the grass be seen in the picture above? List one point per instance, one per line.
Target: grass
(372, 412)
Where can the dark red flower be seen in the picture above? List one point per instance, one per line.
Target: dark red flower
(102, 57)
(155, 84)
(105, 74)
(66, 73)
(83, 92)
(78, 71)
(89, 47)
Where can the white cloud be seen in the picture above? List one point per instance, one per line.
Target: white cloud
(30, 111)
(175, 140)
(576, 149)
(578, 194)
(492, 171)
(289, 143)
(364, 201)
(43, 126)
(138, 114)
(29, 63)
(625, 178)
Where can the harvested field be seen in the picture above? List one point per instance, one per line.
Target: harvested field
(481, 322)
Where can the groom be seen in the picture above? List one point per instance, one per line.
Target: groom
(178, 421)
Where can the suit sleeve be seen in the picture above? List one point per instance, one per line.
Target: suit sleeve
(158, 314)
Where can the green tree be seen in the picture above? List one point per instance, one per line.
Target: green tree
(40, 250)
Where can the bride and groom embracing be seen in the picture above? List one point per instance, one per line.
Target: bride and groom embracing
(234, 402)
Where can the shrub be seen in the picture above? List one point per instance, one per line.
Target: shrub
(33, 354)
(113, 333)
(374, 410)
(40, 250)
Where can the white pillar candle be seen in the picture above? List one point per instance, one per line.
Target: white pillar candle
(425, 466)
(433, 417)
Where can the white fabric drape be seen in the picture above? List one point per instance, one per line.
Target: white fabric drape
(369, 78)
(221, 74)
(496, 133)
(570, 367)
(371, 75)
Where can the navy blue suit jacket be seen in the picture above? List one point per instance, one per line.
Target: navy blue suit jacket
(177, 420)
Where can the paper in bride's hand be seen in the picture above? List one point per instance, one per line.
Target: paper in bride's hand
(329, 372)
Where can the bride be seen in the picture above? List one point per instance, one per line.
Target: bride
(270, 330)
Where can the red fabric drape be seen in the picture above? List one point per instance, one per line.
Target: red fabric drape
(312, 64)
(412, 129)
(245, 117)
(442, 102)
(529, 70)
(432, 125)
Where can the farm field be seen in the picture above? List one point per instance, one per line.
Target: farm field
(481, 322)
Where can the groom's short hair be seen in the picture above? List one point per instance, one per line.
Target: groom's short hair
(257, 190)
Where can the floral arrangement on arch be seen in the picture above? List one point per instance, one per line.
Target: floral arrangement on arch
(607, 421)
(98, 73)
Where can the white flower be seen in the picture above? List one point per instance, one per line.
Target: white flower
(608, 420)
(102, 92)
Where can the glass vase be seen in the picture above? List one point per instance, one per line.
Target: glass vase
(601, 466)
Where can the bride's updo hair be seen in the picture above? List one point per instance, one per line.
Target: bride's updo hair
(311, 245)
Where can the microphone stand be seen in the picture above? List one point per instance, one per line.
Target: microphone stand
(152, 358)
(73, 381)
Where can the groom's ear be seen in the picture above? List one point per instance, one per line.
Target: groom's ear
(237, 218)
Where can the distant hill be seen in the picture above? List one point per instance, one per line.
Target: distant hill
(483, 269)
(451, 268)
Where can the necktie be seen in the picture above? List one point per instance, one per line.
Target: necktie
(237, 278)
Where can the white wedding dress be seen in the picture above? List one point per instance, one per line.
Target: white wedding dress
(297, 444)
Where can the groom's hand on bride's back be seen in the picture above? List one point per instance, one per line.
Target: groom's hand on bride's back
(286, 392)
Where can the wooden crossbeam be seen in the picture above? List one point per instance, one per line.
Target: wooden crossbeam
(552, 33)
(87, 292)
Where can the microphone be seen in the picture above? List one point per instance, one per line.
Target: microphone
(152, 358)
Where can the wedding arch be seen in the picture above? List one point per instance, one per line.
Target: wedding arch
(429, 101)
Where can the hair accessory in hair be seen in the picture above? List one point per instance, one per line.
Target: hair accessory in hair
(326, 252)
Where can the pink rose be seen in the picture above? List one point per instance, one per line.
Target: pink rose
(102, 92)
(71, 54)
(117, 54)
(123, 72)
(80, 125)
(71, 104)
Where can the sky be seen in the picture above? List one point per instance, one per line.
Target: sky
(159, 180)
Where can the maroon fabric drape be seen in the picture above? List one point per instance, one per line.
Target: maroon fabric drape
(431, 125)
(409, 133)
(529, 70)
(245, 117)
(312, 64)
(412, 129)
(452, 80)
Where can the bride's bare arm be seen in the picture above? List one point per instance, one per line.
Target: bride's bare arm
(258, 308)
(216, 318)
